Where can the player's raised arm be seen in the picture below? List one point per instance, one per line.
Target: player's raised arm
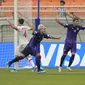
(77, 17)
(74, 15)
(12, 25)
(31, 25)
(59, 22)
(68, 15)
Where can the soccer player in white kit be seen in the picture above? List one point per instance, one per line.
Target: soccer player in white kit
(23, 39)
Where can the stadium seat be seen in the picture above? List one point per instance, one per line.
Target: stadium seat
(46, 3)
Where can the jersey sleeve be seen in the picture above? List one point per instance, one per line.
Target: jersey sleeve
(28, 27)
(18, 27)
(46, 35)
(65, 25)
(82, 27)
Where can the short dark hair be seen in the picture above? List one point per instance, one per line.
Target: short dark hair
(21, 21)
(75, 18)
(62, 1)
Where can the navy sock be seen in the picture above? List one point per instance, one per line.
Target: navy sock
(71, 60)
(15, 59)
(62, 60)
(38, 60)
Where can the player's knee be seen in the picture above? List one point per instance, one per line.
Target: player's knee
(22, 55)
(29, 57)
(63, 56)
(73, 53)
(38, 55)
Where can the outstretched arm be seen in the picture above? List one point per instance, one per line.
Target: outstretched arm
(51, 37)
(12, 25)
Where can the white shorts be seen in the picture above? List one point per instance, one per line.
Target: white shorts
(19, 48)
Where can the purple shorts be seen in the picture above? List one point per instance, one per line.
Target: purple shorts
(70, 46)
(29, 50)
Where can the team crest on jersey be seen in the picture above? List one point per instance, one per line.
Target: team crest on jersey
(77, 28)
(74, 30)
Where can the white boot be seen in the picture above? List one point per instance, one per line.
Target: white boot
(59, 69)
(69, 68)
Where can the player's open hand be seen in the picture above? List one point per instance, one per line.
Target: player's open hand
(56, 20)
(58, 37)
(55, 37)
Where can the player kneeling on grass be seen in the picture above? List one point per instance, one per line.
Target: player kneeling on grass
(30, 47)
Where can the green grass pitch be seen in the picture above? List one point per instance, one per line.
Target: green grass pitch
(51, 77)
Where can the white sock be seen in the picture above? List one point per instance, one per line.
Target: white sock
(16, 65)
(31, 61)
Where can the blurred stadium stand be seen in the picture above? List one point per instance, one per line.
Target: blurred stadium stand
(48, 12)
(48, 7)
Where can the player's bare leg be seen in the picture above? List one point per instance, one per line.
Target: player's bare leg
(29, 58)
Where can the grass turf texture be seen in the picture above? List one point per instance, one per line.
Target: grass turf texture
(51, 77)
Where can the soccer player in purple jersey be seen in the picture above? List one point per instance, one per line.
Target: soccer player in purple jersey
(70, 41)
(30, 48)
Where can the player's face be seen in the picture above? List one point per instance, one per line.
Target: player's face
(61, 3)
(43, 30)
(76, 22)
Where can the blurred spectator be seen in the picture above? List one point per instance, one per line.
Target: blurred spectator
(2, 1)
(62, 10)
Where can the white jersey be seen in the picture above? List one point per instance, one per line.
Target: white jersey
(23, 38)
(23, 34)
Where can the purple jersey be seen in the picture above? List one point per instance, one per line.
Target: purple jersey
(37, 38)
(72, 32)
(70, 42)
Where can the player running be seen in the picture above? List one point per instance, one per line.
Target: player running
(30, 47)
(23, 39)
